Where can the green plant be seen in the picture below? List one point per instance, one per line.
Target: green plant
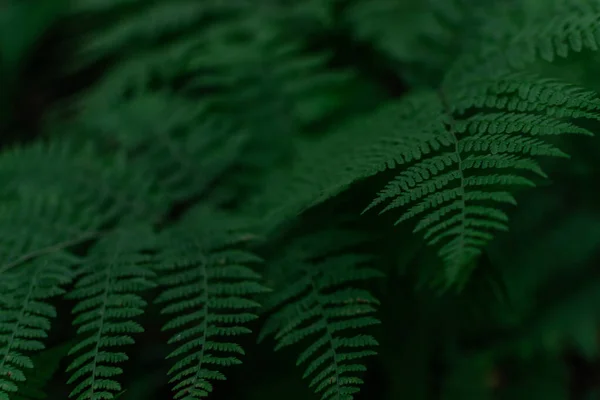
(209, 186)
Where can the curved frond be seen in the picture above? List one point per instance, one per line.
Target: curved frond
(458, 193)
(108, 294)
(316, 301)
(208, 291)
(523, 92)
(25, 316)
(395, 134)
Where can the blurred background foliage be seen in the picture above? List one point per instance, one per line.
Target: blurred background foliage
(527, 324)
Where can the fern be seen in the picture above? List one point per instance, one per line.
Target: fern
(108, 301)
(170, 138)
(207, 125)
(318, 302)
(25, 316)
(65, 215)
(325, 167)
(36, 268)
(208, 292)
(265, 74)
(563, 27)
(453, 192)
(264, 81)
(99, 186)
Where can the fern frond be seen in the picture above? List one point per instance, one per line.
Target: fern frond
(317, 301)
(381, 140)
(507, 44)
(264, 79)
(36, 232)
(44, 226)
(108, 298)
(208, 294)
(61, 199)
(524, 92)
(25, 315)
(101, 185)
(460, 149)
(457, 193)
(169, 137)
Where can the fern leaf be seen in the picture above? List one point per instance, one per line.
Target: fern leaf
(326, 167)
(317, 302)
(524, 92)
(484, 154)
(170, 138)
(108, 301)
(208, 295)
(37, 230)
(40, 226)
(265, 81)
(102, 187)
(459, 152)
(25, 316)
(505, 45)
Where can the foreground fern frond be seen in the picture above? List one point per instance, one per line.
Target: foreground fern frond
(208, 294)
(549, 100)
(25, 316)
(460, 148)
(362, 148)
(108, 302)
(457, 193)
(317, 302)
(293, 113)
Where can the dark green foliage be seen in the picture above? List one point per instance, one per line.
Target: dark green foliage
(208, 296)
(205, 176)
(47, 363)
(316, 298)
(107, 303)
(26, 316)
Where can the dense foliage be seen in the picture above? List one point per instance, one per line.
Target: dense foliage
(188, 185)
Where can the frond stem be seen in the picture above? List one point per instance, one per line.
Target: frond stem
(205, 330)
(13, 335)
(50, 249)
(327, 331)
(101, 326)
(463, 200)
